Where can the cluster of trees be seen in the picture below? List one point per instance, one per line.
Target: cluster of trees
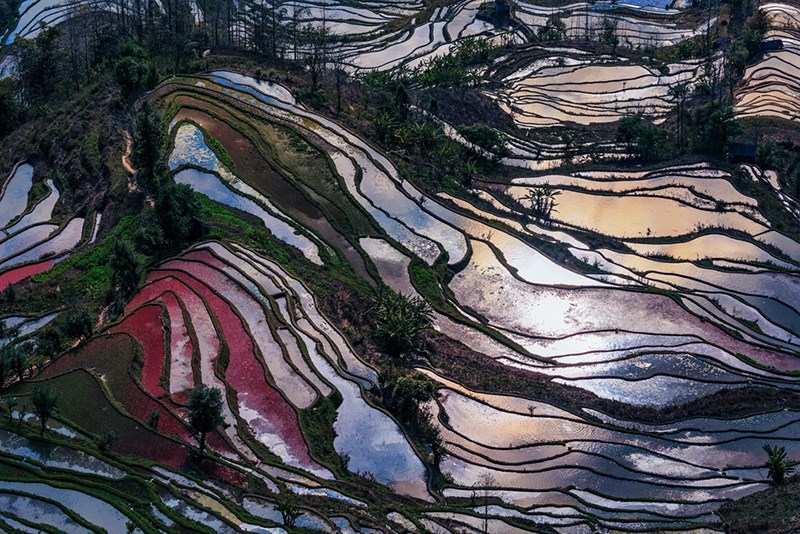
(165, 226)
(747, 45)
(400, 323)
(20, 359)
(712, 128)
(408, 122)
(137, 41)
(554, 29)
(642, 138)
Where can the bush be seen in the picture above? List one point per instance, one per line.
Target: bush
(769, 156)
(487, 138)
(401, 321)
(133, 70)
(105, 440)
(554, 29)
(76, 323)
(720, 128)
(643, 139)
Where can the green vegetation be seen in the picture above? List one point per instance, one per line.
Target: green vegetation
(317, 426)
(747, 44)
(160, 218)
(106, 439)
(543, 202)
(773, 510)
(409, 393)
(771, 156)
(409, 397)
(76, 323)
(720, 128)
(643, 139)
(487, 138)
(126, 271)
(451, 70)
(37, 59)
(134, 70)
(400, 321)
(178, 213)
(288, 509)
(12, 359)
(608, 34)
(778, 467)
(205, 411)
(45, 404)
(9, 108)
(554, 29)
(146, 154)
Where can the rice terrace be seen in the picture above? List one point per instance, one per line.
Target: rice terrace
(399, 266)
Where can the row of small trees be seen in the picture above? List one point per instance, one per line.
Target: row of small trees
(715, 126)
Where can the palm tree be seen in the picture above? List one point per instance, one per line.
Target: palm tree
(400, 321)
(777, 464)
(543, 201)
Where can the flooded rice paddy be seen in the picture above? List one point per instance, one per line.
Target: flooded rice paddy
(594, 323)
(649, 288)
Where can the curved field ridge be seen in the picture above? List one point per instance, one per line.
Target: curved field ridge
(27, 233)
(704, 193)
(270, 418)
(272, 375)
(222, 186)
(585, 90)
(540, 457)
(771, 87)
(380, 35)
(370, 438)
(694, 295)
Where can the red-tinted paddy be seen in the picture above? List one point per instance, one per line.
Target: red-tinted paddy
(257, 319)
(20, 273)
(146, 326)
(270, 417)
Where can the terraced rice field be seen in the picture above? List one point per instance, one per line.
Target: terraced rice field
(648, 289)
(770, 86)
(665, 314)
(30, 240)
(584, 90)
(381, 36)
(281, 358)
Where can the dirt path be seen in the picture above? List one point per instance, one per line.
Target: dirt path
(126, 157)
